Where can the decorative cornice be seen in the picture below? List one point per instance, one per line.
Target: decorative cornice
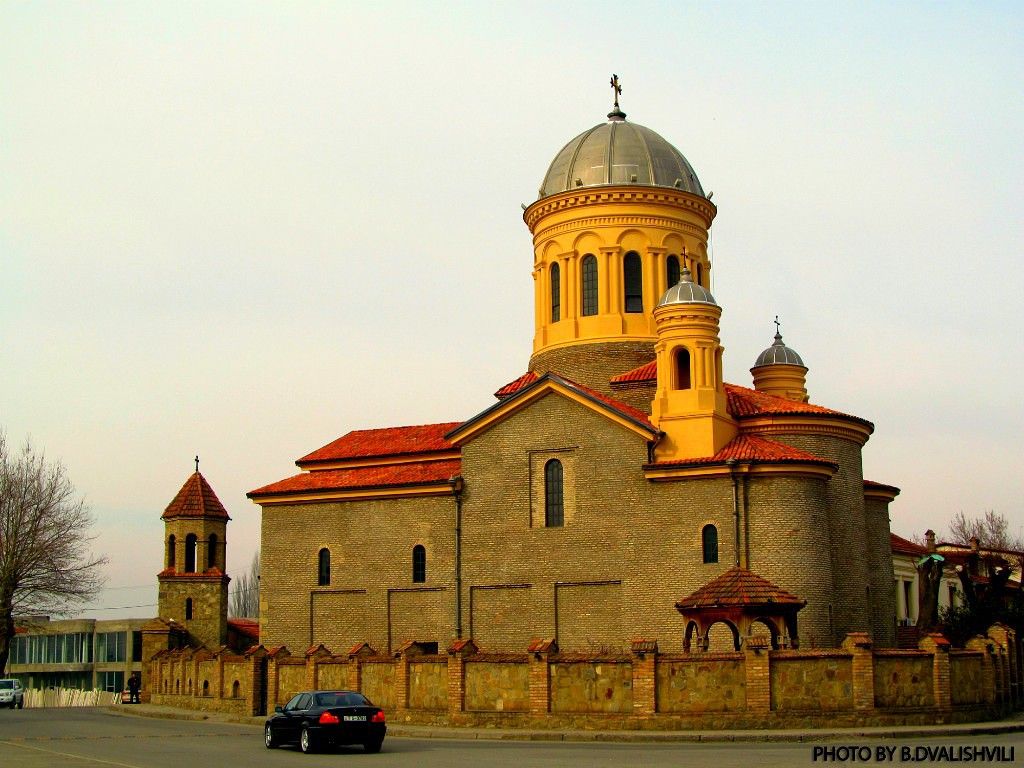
(623, 220)
(850, 429)
(442, 488)
(378, 461)
(817, 471)
(619, 194)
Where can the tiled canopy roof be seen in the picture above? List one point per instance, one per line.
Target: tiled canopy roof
(390, 475)
(514, 386)
(752, 448)
(389, 441)
(739, 587)
(646, 372)
(195, 499)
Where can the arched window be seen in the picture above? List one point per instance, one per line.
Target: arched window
(211, 551)
(709, 541)
(632, 281)
(554, 505)
(556, 291)
(323, 570)
(190, 553)
(672, 268)
(589, 285)
(206, 687)
(683, 368)
(188, 609)
(419, 564)
(171, 553)
(236, 690)
(700, 274)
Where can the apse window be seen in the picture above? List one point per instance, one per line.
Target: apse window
(709, 542)
(632, 274)
(419, 564)
(554, 499)
(323, 571)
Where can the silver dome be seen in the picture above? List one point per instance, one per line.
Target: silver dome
(617, 152)
(779, 354)
(687, 292)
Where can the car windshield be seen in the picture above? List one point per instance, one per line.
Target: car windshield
(340, 700)
(6, 684)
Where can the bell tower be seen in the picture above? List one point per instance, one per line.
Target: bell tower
(193, 582)
(690, 404)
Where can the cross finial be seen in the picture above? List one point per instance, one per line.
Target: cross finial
(197, 464)
(778, 326)
(616, 89)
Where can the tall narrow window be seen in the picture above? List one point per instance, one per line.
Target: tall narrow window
(709, 539)
(632, 280)
(672, 268)
(190, 553)
(211, 551)
(188, 609)
(419, 564)
(171, 547)
(700, 274)
(554, 505)
(556, 294)
(589, 285)
(682, 368)
(323, 570)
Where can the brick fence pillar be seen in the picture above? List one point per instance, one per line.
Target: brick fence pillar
(988, 674)
(402, 680)
(313, 658)
(217, 687)
(1004, 639)
(757, 668)
(274, 675)
(645, 694)
(938, 647)
(457, 653)
(540, 674)
(858, 644)
(255, 671)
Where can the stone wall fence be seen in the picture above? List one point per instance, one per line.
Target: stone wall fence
(757, 687)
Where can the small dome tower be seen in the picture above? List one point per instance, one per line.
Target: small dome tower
(690, 404)
(780, 371)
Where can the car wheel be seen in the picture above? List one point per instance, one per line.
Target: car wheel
(269, 738)
(373, 747)
(306, 743)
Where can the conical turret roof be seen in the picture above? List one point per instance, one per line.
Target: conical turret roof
(195, 499)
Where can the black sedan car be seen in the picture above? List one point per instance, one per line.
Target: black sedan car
(322, 719)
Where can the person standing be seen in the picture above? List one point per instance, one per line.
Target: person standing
(134, 683)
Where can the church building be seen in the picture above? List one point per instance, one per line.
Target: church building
(618, 489)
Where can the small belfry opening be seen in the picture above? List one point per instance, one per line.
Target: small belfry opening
(191, 545)
(211, 552)
(171, 546)
(682, 368)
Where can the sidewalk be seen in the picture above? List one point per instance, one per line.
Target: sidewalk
(1012, 724)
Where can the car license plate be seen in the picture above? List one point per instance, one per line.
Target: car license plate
(354, 718)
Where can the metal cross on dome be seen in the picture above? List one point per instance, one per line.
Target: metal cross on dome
(778, 326)
(197, 464)
(616, 89)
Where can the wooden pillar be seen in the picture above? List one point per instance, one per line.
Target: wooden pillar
(645, 694)
(858, 644)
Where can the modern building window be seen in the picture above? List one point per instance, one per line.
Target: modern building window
(589, 269)
(632, 280)
(136, 645)
(672, 268)
(419, 564)
(709, 542)
(111, 646)
(554, 504)
(211, 551)
(188, 609)
(683, 368)
(323, 570)
(171, 555)
(190, 553)
(556, 294)
(112, 682)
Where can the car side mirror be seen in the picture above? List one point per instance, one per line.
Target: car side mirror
(278, 709)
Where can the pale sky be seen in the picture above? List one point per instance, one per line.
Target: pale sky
(243, 229)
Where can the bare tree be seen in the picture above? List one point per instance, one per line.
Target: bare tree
(245, 599)
(45, 562)
(992, 531)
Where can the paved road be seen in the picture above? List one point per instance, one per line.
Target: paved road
(88, 738)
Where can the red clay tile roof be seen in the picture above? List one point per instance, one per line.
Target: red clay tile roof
(195, 499)
(389, 441)
(514, 386)
(646, 372)
(390, 475)
(618, 405)
(903, 546)
(868, 484)
(246, 627)
(751, 448)
(738, 586)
